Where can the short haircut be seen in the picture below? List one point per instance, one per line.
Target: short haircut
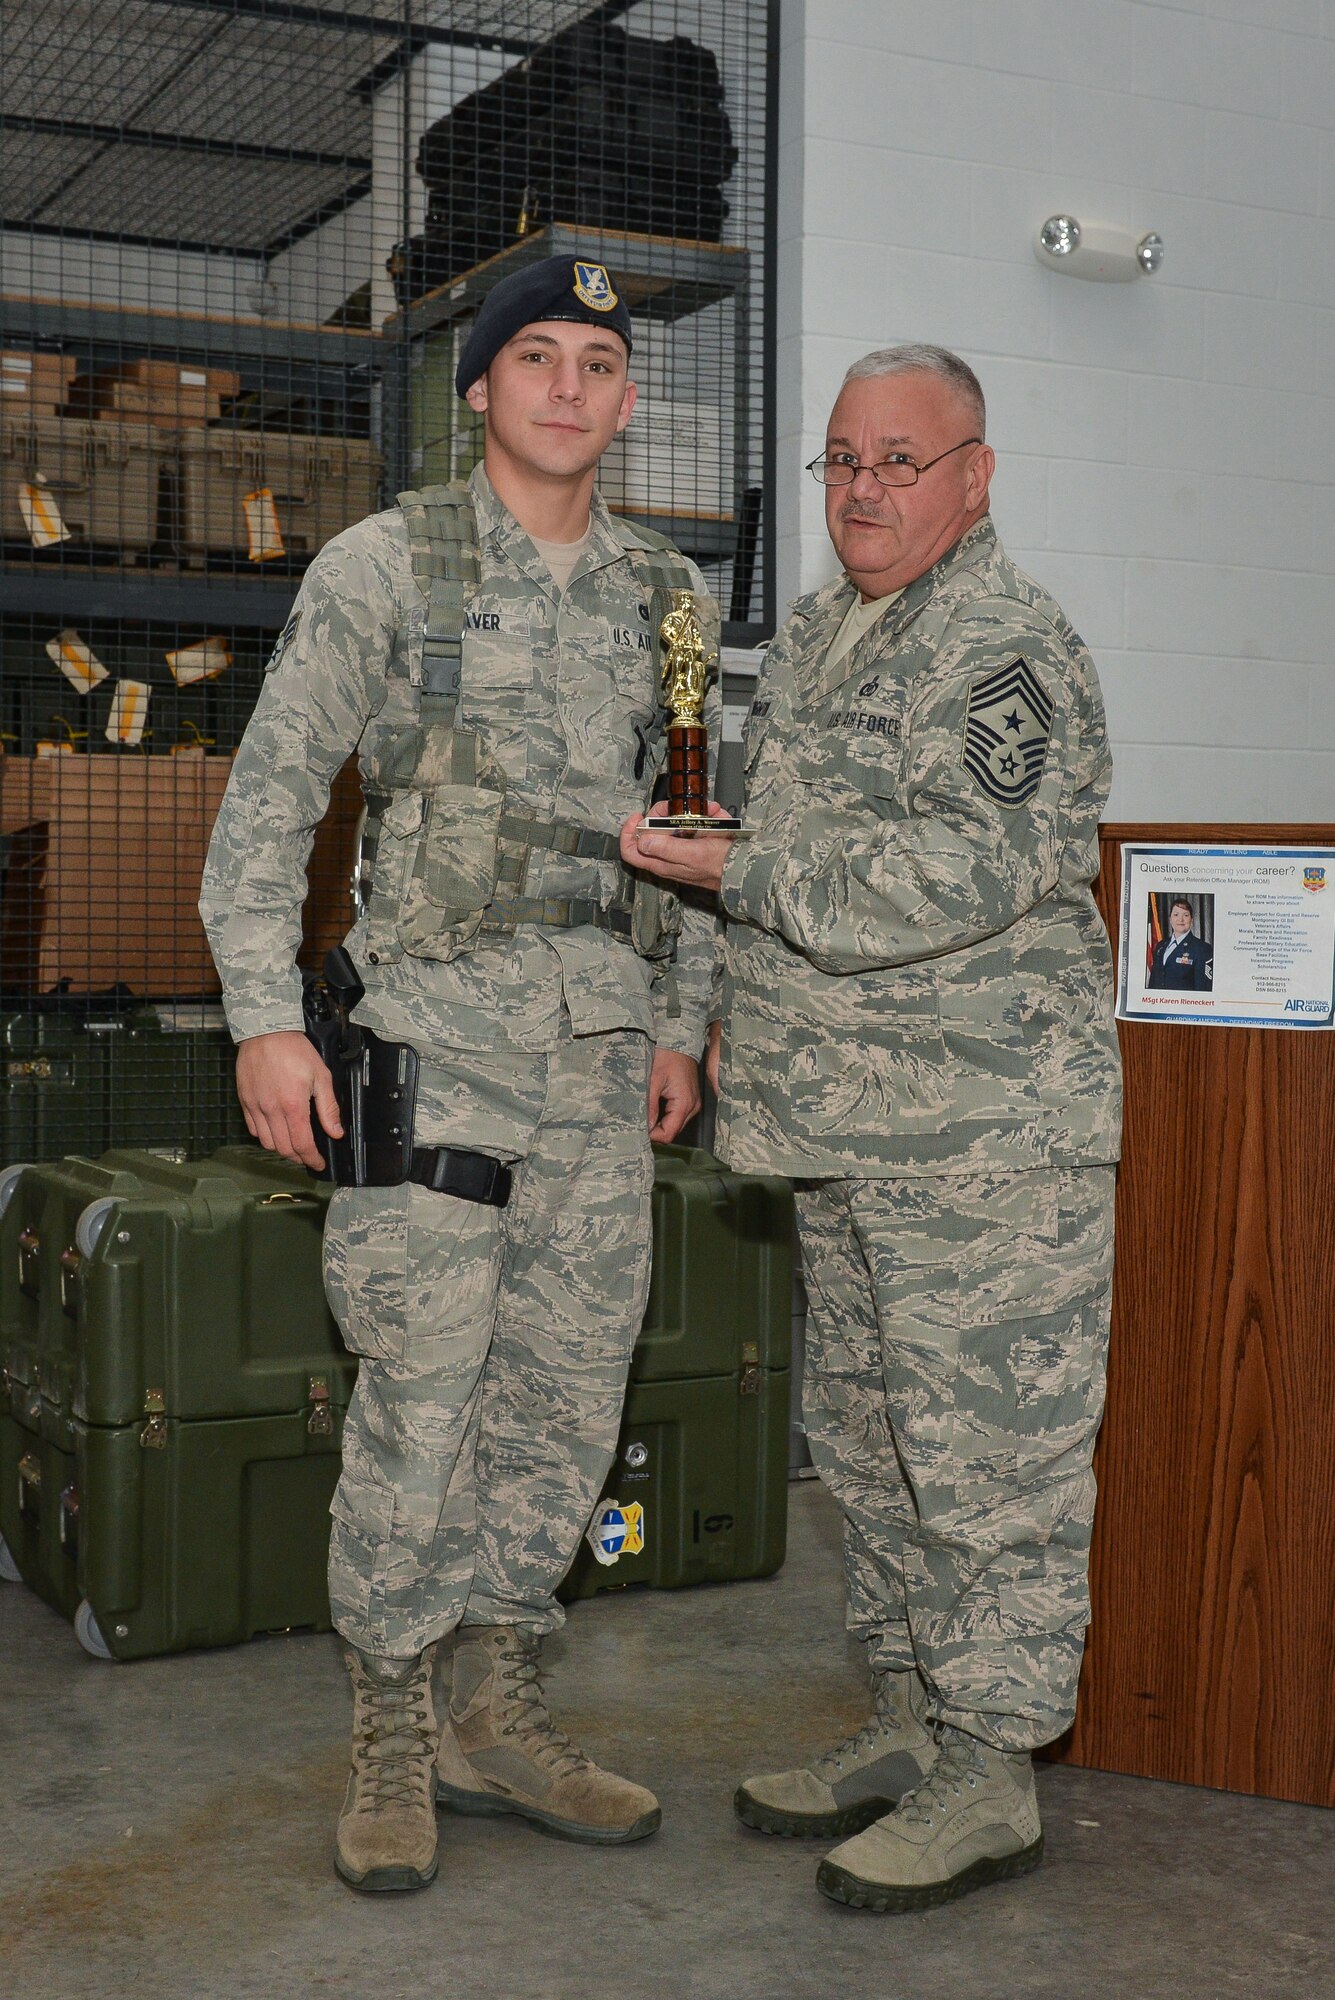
(1181, 903)
(919, 358)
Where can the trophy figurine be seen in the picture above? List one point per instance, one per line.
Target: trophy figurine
(686, 668)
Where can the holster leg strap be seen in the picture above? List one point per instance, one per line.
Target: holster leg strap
(466, 1175)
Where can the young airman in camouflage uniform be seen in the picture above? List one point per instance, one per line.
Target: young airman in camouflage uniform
(917, 1026)
(492, 658)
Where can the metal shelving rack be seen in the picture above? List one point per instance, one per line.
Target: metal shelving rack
(119, 150)
(307, 353)
(226, 186)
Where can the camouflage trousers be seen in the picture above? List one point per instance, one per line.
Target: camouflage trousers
(494, 1344)
(956, 1345)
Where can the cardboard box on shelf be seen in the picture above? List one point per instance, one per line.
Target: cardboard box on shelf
(33, 381)
(105, 859)
(155, 392)
(123, 402)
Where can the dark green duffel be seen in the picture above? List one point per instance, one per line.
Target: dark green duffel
(698, 1491)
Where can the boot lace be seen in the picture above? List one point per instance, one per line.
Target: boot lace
(885, 1722)
(542, 1739)
(396, 1750)
(958, 1766)
(852, 1747)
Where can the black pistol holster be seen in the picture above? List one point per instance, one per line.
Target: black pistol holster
(375, 1085)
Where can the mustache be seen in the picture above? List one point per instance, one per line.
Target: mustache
(857, 512)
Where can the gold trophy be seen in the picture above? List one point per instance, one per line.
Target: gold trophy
(686, 668)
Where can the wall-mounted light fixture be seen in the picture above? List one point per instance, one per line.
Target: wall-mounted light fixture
(1103, 251)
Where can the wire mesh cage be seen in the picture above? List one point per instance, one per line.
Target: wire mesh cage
(241, 243)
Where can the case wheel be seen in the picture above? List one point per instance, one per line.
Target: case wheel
(91, 1224)
(9, 1180)
(89, 1633)
(9, 1569)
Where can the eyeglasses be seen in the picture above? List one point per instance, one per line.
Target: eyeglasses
(897, 470)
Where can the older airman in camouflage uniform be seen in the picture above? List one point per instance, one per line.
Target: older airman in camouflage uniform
(499, 941)
(916, 1025)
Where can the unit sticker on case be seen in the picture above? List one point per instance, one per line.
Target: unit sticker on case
(616, 1531)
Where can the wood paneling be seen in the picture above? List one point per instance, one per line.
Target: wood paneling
(1211, 1657)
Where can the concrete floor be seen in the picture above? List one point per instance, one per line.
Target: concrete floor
(166, 1829)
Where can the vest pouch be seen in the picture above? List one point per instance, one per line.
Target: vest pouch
(655, 919)
(453, 874)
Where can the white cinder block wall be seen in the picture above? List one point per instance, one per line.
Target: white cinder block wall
(1166, 448)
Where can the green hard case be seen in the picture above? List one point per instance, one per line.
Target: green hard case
(175, 1390)
(78, 1082)
(703, 1448)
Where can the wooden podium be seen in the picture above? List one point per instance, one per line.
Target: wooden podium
(1211, 1657)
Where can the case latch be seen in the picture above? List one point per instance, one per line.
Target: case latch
(320, 1422)
(30, 1245)
(70, 1261)
(153, 1437)
(749, 1385)
(69, 1520)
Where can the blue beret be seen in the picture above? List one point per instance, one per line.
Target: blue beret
(557, 288)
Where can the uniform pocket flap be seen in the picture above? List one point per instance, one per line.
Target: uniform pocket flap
(404, 814)
(459, 859)
(363, 1507)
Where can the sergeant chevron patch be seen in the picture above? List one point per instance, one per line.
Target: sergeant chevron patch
(1007, 723)
(285, 638)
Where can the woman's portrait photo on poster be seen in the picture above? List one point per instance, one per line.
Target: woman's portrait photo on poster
(1179, 941)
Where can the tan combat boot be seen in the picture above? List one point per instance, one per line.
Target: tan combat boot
(848, 1787)
(972, 1820)
(500, 1751)
(387, 1829)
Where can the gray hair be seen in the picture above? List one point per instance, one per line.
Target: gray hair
(919, 358)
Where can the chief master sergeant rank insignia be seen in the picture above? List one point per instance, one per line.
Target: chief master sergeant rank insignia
(1007, 723)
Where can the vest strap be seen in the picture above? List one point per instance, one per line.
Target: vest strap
(565, 913)
(447, 567)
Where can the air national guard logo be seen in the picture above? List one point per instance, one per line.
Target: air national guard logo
(1314, 878)
(1006, 727)
(593, 287)
(615, 1531)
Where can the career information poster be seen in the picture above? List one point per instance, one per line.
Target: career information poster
(1236, 937)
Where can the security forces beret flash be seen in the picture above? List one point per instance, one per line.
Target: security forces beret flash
(557, 288)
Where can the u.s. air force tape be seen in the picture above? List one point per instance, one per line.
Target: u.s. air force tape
(1007, 723)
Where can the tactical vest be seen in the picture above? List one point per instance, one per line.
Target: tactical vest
(444, 797)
